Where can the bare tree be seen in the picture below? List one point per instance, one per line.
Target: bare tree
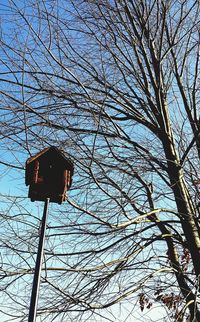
(115, 83)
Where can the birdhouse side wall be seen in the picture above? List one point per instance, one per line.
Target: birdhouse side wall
(31, 173)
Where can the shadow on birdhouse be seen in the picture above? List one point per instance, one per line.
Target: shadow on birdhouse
(49, 175)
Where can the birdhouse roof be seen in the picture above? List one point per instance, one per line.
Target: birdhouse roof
(52, 151)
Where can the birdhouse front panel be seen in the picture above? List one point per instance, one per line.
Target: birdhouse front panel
(49, 175)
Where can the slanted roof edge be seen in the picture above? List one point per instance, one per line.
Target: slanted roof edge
(39, 154)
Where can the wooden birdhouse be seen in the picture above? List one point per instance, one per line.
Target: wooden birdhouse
(49, 175)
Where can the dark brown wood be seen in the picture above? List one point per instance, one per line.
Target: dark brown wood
(35, 173)
(49, 175)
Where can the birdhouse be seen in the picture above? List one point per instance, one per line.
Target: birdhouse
(49, 175)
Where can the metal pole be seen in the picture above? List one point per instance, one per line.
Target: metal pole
(38, 266)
